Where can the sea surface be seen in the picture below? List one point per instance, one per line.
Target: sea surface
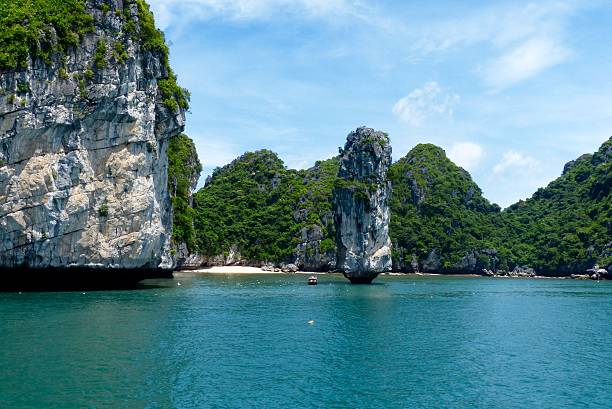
(236, 341)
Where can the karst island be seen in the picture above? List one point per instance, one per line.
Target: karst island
(310, 204)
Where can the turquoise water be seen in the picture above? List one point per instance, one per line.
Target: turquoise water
(245, 341)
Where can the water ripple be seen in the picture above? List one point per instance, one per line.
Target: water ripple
(244, 342)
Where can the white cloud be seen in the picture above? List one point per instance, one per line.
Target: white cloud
(526, 40)
(466, 154)
(293, 161)
(516, 160)
(422, 103)
(169, 12)
(524, 61)
(214, 152)
(517, 176)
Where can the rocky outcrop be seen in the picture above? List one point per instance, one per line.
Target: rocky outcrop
(472, 262)
(83, 153)
(311, 253)
(606, 255)
(598, 273)
(231, 258)
(283, 268)
(518, 271)
(361, 206)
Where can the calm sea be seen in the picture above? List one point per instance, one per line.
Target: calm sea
(246, 342)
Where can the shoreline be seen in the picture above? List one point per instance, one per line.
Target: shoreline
(246, 270)
(240, 270)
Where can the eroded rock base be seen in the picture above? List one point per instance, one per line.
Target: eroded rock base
(361, 279)
(76, 279)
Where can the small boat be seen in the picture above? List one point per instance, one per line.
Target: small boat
(312, 280)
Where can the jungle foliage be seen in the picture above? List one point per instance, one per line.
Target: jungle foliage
(436, 205)
(564, 228)
(48, 28)
(40, 28)
(260, 206)
(184, 170)
(567, 226)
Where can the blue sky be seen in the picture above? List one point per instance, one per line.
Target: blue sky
(511, 90)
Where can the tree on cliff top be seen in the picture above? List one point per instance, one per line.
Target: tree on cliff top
(46, 29)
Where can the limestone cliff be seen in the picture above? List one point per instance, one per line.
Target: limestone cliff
(361, 206)
(83, 148)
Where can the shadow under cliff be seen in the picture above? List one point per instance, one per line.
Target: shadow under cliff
(76, 279)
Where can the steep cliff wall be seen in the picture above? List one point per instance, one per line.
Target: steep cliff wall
(361, 206)
(84, 132)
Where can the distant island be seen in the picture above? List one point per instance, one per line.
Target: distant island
(97, 178)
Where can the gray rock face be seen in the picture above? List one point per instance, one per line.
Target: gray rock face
(83, 166)
(361, 206)
(597, 273)
(310, 255)
(473, 262)
(432, 263)
(522, 271)
(231, 258)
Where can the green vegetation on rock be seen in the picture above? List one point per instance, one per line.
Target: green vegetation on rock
(435, 205)
(100, 55)
(23, 87)
(119, 52)
(29, 27)
(563, 229)
(259, 206)
(440, 220)
(184, 170)
(47, 29)
(103, 210)
(153, 40)
(567, 226)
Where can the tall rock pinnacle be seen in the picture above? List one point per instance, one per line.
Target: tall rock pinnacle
(361, 206)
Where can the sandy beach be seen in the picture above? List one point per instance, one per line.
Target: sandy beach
(236, 270)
